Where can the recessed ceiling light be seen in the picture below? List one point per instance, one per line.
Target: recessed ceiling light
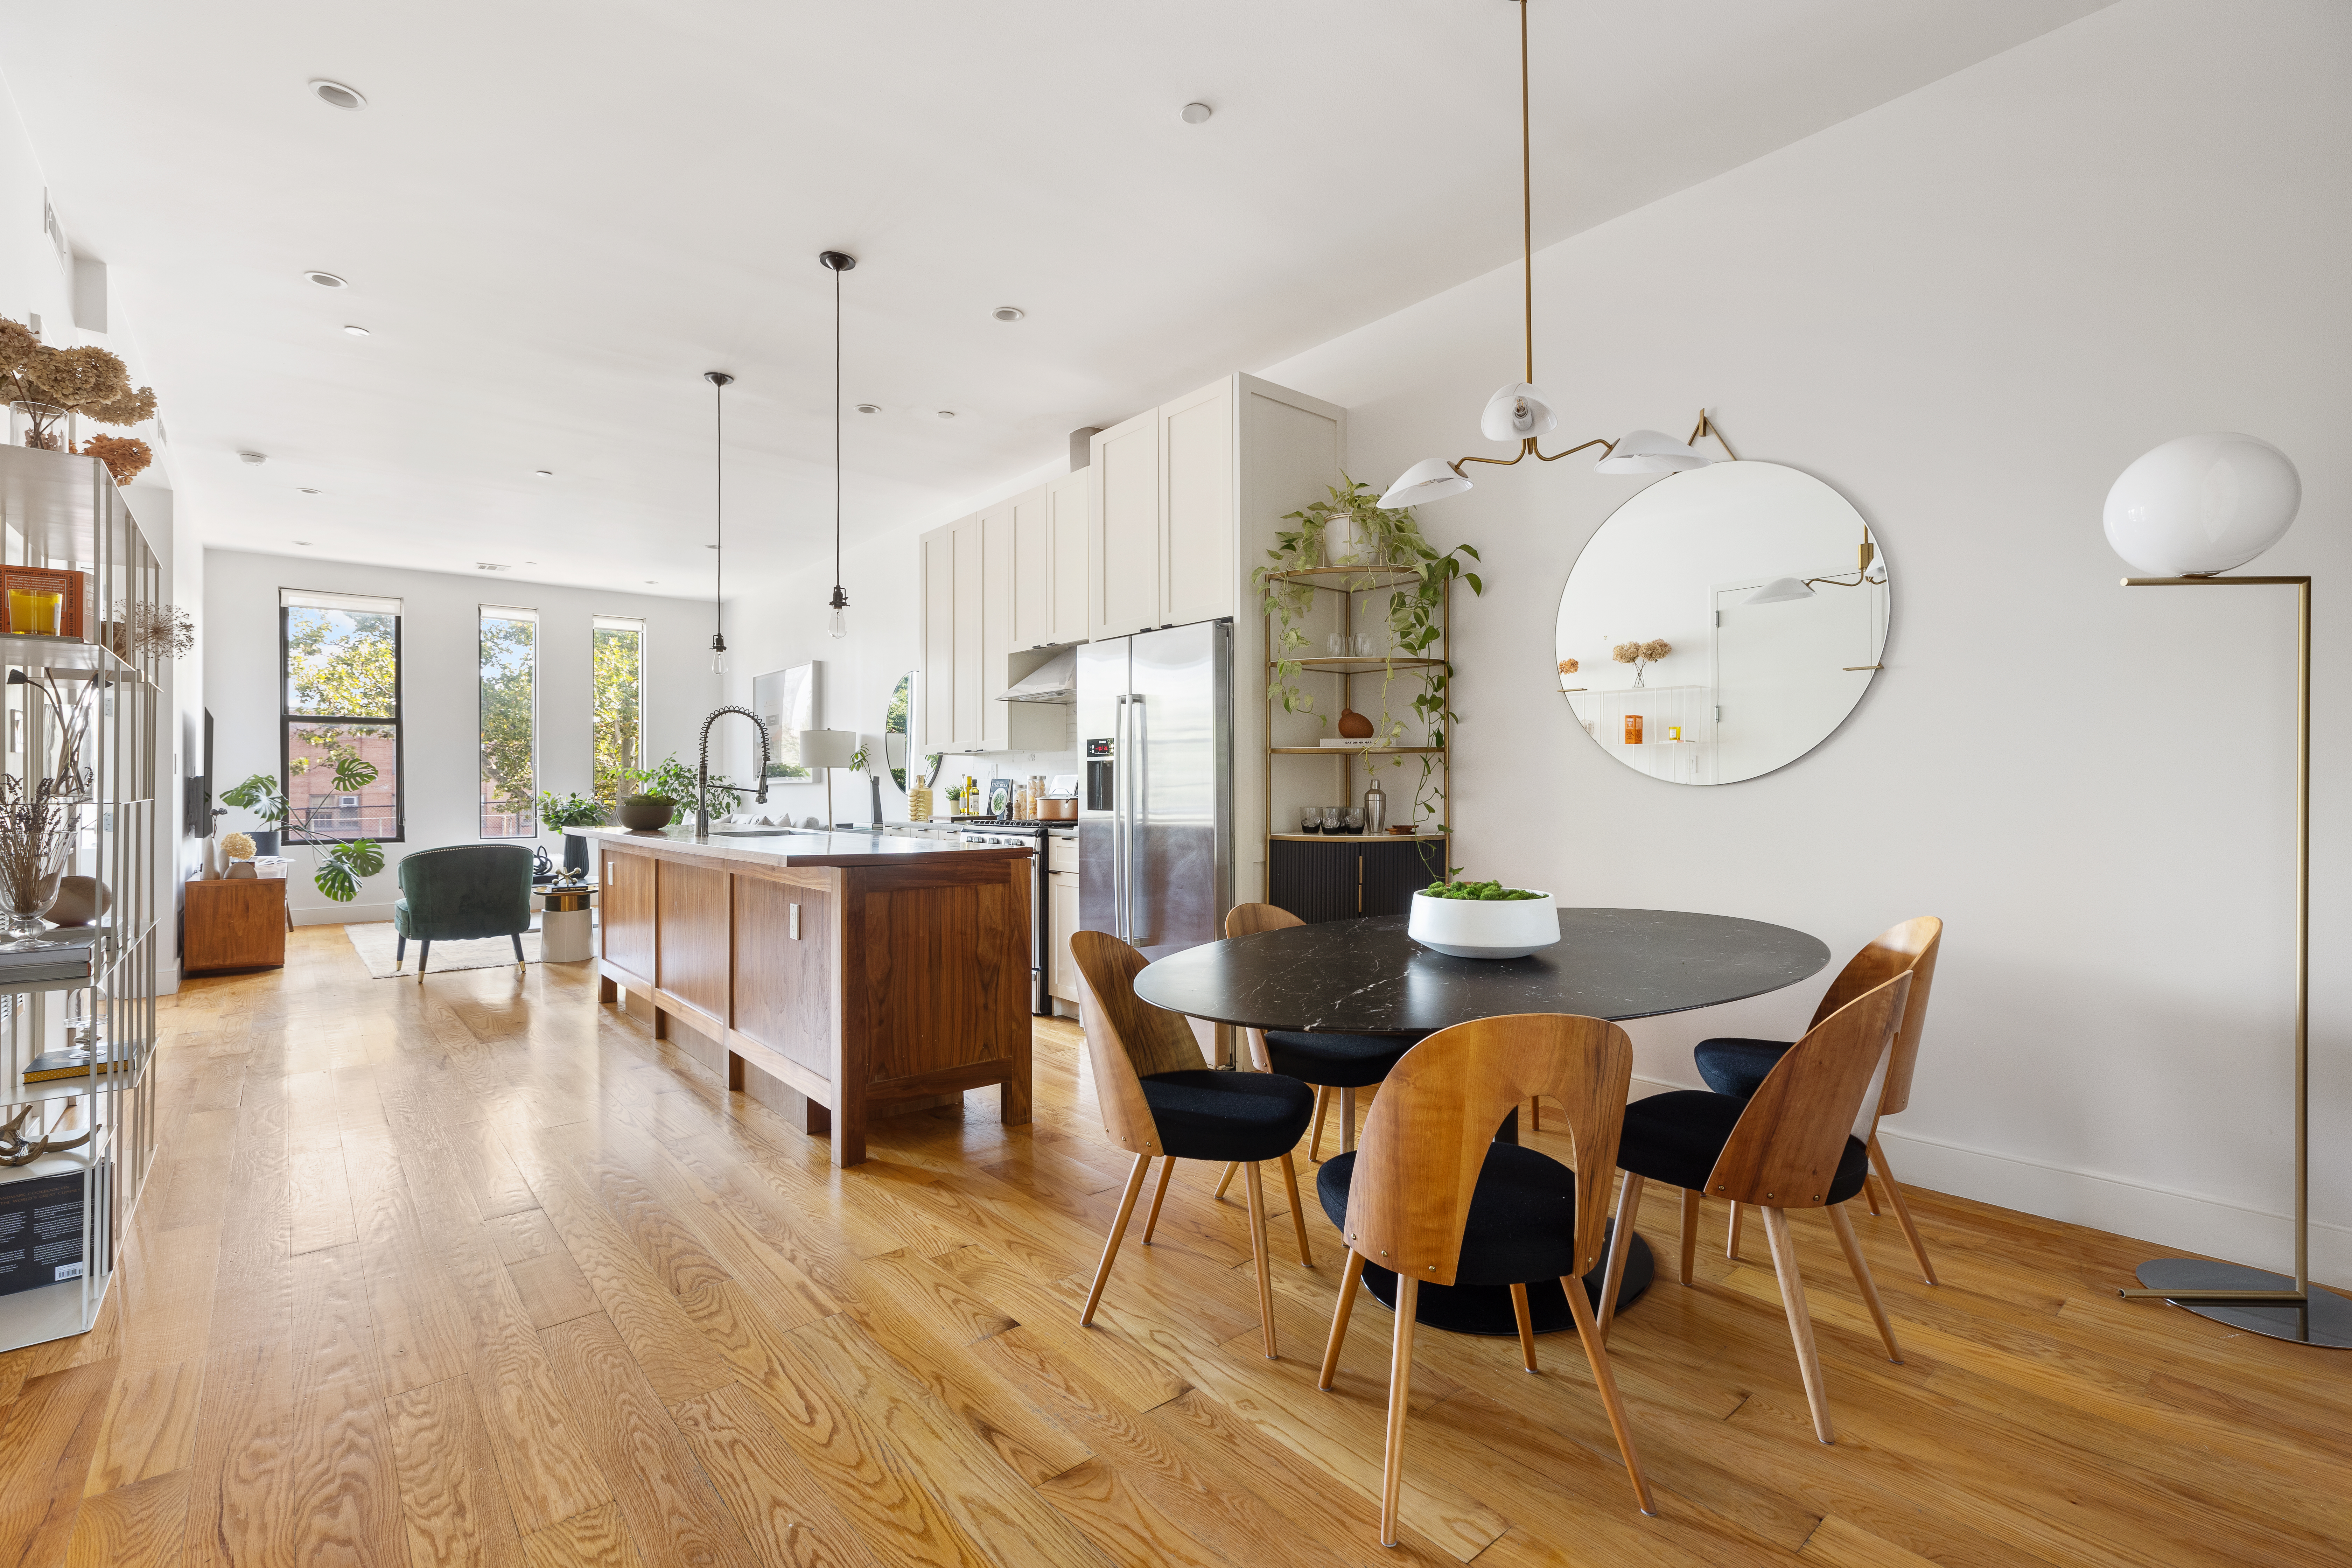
(338, 94)
(253, 457)
(545, 473)
(652, 580)
(947, 412)
(327, 280)
(1195, 114)
(490, 565)
(303, 543)
(357, 331)
(1008, 312)
(306, 490)
(869, 408)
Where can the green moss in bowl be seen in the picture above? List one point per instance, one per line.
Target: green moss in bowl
(1488, 891)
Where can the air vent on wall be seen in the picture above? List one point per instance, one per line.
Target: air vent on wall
(490, 566)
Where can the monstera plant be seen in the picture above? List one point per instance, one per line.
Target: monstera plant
(344, 863)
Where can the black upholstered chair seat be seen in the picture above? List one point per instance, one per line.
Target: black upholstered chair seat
(1336, 1061)
(1522, 1225)
(1738, 1067)
(1205, 1114)
(1676, 1138)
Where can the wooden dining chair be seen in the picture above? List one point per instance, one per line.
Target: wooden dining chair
(1159, 1096)
(1324, 1062)
(1738, 1067)
(1790, 1145)
(1431, 1197)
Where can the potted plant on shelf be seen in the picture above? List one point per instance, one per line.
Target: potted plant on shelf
(342, 863)
(1379, 546)
(558, 812)
(48, 387)
(672, 782)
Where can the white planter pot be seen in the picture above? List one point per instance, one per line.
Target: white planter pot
(1483, 928)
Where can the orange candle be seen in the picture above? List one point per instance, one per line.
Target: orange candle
(1632, 728)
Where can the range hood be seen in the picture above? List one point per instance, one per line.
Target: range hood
(1056, 680)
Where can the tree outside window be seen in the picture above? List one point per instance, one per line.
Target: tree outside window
(341, 667)
(510, 723)
(618, 734)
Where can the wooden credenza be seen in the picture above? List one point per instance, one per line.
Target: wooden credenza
(868, 983)
(234, 924)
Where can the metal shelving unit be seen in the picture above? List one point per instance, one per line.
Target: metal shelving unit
(64, 513)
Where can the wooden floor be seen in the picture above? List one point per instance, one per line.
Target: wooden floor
(478, 1272)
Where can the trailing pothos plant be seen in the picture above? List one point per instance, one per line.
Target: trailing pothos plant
(344, 863)
(1387, 544)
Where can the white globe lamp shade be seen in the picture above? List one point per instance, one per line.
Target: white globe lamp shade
(1779, 591)
(2202, 504)
(1432, 479)
(1518, 412)
(1650, 452)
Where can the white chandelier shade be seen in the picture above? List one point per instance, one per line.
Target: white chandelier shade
(1779, 591)
(1518, 412)
(1432, 479)
(1650, 452)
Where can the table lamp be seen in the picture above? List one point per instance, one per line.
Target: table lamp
(827, 749)
(2185, 512)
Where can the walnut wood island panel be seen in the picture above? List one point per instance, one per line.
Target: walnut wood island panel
(870, 974)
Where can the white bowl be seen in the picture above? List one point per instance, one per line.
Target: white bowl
(1483, 928)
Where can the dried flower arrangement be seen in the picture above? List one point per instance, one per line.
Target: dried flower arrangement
(158, 630)
(238, 845)
(1567, 667)
(125, 456)
(50, 382)
(1639, 654)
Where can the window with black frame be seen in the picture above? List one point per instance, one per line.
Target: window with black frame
(339, 656)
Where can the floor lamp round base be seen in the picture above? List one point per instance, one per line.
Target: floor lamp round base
(2326, 1320)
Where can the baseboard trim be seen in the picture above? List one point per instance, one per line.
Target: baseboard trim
(2164, 1217)
(344, 915)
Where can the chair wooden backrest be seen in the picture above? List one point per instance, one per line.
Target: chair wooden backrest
(1909, 948)
(1784, 1150)
(1250, 919)
(1427, 1137)
(1127, 1038)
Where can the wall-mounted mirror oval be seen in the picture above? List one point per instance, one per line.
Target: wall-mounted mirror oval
(893, 730)
(1722, 623)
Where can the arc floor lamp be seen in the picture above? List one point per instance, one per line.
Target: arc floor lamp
(2186, 512)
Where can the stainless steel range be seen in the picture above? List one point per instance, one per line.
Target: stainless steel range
(1029, 836)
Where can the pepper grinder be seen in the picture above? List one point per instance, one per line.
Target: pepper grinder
(1376, 809)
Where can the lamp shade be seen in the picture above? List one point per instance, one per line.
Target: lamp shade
(827, 748)
(1518, 412)
(1650, 452)
(1779, 591)
(2202, 504)
(1433, 479)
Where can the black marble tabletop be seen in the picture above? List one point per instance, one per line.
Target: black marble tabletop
(1366, 976)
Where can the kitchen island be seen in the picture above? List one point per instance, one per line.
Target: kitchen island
(868, 974)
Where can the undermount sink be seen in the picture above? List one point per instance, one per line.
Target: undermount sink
(739, 832)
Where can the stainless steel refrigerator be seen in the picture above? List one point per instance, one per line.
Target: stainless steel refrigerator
(1156, 815)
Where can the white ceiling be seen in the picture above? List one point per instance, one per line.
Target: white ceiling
(555, 218)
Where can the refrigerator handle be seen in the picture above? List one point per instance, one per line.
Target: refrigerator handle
(1118, 818)
(1131, 782)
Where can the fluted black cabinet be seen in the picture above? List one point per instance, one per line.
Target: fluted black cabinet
(1340, 879)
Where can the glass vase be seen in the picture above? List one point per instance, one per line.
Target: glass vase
(42, 425)
(30, 871)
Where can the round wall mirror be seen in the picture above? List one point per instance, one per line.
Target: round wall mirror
(1722, 623)
(893, 730)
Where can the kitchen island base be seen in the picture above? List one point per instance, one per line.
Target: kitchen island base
(866, 979)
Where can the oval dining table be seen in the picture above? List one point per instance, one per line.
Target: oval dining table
(1367, 977)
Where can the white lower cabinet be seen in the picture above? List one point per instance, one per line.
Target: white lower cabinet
(1062, 921)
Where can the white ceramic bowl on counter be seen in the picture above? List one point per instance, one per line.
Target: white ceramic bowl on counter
(1483, 928)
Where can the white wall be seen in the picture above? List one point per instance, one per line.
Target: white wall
(440, 691)
(1969, 310)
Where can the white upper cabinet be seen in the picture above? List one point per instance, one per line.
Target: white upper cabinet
(1196, 507)
(1033, 570)
(1067, 545)
(1123, 557)
(937, 661)
(971, 700)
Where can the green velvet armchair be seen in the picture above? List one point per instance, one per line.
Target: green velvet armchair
(462, 894)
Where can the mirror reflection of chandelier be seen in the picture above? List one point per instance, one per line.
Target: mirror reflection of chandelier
(1522, 411)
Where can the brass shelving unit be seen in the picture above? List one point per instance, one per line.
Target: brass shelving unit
(63, 512)
(1347, 585)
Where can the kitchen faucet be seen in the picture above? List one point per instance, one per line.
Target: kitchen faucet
(702, 771)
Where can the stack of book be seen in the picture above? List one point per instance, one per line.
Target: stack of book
(65, 954)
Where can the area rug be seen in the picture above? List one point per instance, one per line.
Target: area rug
(375, 941)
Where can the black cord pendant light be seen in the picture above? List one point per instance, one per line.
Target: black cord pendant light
(719, 380)
(837, 622)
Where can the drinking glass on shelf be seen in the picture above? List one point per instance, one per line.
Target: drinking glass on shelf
(1354, 818)
(1335, 819)
(1364, 646)
(1336, 646)
(1311, 820)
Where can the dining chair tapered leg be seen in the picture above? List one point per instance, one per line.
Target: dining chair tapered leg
(1257, 1252)
(1863, 1282)
(1233, 1168)
(1408, 1301)
(1152, 1220)
(1347, 1121)
(1731, 1237)
(1340, 1314)
(1870, 1194)
(1801, 1322)
(1690, 1231)
(1629, 1203)
(1314, 1143)
(1526, 1326)
(1902, 1211)
(1596, 1354)
(1297, 1211)
(1118, 1229)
